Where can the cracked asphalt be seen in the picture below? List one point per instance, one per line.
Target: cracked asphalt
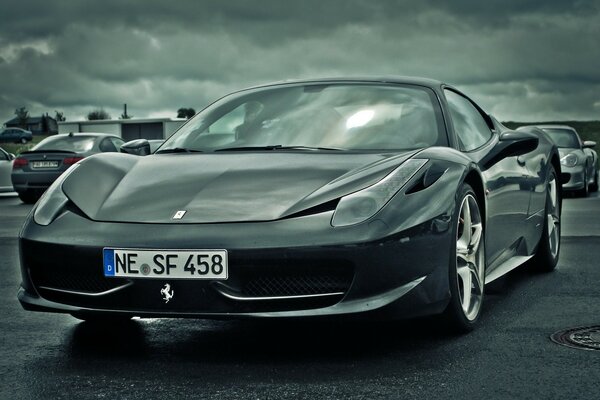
(509, 356)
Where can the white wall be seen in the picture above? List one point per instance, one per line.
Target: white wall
(115, 128)
(172, 126)
(68, 127)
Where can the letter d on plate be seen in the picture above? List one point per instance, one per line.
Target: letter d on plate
(109, 262)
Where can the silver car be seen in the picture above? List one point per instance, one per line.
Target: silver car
(35, 170)
(6, 160)
(578, 160)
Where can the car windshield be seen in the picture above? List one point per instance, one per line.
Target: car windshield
(565, 138)
(316, 117)
(77, 144)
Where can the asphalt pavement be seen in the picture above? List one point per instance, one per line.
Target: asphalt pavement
(508, 356)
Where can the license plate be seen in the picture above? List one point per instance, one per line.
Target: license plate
(174, 264)
(44, 164)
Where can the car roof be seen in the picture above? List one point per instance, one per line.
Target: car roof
(550, 126)
(410, 80)
(93, 134)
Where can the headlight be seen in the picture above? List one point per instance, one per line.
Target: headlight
(570, 160)
(362, 205)
(53, 200)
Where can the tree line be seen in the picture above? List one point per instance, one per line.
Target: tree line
(96, 114)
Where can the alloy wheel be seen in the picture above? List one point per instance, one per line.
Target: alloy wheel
(470, 257)
(553, 218)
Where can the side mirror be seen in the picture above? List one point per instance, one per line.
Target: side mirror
(588, 144)
(11, 156)
(138, 147)
(511, 144)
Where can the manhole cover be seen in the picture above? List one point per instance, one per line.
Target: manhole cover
(587, 338)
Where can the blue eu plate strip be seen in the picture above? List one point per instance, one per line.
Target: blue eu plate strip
(109, 262)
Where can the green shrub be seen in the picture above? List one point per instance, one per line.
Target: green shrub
(18, 148)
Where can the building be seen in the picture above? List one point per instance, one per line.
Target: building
(128, 129)
(44, 125)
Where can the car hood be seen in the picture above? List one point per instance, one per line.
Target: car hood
(219, 187)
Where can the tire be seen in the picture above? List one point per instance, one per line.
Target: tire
(467, 264)
(29, 197)
(594, 186)
(586, 188)
(548, 249)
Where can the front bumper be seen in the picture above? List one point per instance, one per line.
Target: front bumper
(401, 274)
(576, 177)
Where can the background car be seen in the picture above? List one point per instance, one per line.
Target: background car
(35, 170)
(366, 198)
(579, 162)
(6, 160)
(15, 135)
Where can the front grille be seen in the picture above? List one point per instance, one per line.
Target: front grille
(295, 285)
(295, 278)
(74, 279)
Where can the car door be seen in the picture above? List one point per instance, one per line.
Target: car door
(5, 136)
(5, 171)
(507, 189)
(13, 135)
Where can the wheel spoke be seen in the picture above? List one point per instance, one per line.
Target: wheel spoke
(553, 194)
(476, 230)
(476, 278)
(464, 240)
(464, 273)
(551, 226)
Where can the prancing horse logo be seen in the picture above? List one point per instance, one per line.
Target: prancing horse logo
(167, 292)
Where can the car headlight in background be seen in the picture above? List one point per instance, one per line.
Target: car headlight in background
(362, 205)
(570, 160)
(53, 200)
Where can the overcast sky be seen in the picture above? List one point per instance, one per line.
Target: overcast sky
(520, 59)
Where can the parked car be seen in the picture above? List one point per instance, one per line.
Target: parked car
(360, 197)
(6, 160)
(578, 161)
(15, 135)
(35, 170)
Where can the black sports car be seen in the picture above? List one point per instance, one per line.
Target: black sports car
(380, 198)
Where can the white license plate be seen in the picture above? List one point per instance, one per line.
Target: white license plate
(44, 164)
(174, 264)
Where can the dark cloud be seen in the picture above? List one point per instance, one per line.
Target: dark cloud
(523, 60)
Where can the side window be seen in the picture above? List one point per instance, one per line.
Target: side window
(117, 142)
(107, 146)
(3, 156)
(470, 127)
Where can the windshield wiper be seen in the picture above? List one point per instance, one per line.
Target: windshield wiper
(312, 148)
(278, 147)
(178, 150)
